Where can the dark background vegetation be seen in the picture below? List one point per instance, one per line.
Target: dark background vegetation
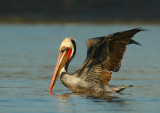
(79, 10)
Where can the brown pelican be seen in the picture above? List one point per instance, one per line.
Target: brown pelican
(104, 56)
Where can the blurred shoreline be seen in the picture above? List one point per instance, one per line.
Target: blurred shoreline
(17, 20)
(80, 11)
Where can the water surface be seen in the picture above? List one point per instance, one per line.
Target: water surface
(28, 54)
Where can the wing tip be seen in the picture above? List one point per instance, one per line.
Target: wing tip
(140, 29)
(134, 42)
(137, 30)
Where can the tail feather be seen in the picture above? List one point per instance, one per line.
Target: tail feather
(119, 88)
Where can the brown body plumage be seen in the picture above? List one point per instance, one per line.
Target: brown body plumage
(104, 56)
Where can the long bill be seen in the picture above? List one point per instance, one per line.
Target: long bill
(61, 61)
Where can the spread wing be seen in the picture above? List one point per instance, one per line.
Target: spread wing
(104, 55)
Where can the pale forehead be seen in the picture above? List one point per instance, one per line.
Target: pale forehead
(66, 43)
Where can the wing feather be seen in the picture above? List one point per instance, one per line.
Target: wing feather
(105, 55)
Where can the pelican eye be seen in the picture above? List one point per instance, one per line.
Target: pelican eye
(64, 49)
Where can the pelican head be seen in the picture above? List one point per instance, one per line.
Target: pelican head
(67, 51)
